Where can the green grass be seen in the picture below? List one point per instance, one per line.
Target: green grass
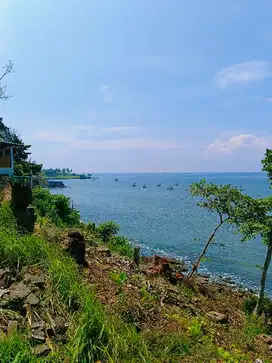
(16, 349)
(93, 335)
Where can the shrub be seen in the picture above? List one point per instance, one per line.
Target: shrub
(121, 245)
(57, 208)
(250, 304)
(107, 230)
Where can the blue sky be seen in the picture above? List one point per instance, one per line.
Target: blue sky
(140, 86)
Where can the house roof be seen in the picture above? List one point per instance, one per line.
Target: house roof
(5, 144)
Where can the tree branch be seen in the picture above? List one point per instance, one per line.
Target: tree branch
(197, 262)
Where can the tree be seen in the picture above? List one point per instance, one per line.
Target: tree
(231, 207)
(252, 217)
(8, 68)
(262, 226)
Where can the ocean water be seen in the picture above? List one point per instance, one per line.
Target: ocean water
(168, 222)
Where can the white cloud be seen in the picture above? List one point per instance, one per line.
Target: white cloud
(92, 137)
(83, 127)
(243, 73)
(119, 129)
(125, 144)
(105, 90)
(51, 136)
(112, 144)
(243, 141)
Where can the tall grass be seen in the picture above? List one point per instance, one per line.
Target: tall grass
(93, 335)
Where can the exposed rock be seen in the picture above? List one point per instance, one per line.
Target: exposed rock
(227, 280)
(176, 277)
(5, 277)
(38, 334)
(60, 325)
(202, 279)
(8, 280)
(167, 266)
(218, 317)
(77, 247)
(41, 350)
(104, 251)
(38, 325)
(12, 327)
(37, 280)
(32, 299)
(3, 292)
(19, 291)
(3, 272)
(258, 360)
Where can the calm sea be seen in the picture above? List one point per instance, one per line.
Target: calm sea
(168, 222)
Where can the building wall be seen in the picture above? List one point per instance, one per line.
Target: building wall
(5, 162)
(6, 171)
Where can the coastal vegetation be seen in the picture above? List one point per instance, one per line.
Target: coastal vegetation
(104, 307)
(111, 310)
(251, 217)
(64, 173)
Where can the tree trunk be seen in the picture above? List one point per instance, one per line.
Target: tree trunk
(197, 262)
(259, 306)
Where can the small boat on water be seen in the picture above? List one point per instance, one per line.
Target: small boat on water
(170, 187)
(116, 179)
(144, 186)
(177, 184)
(134, 184)
(158, 185)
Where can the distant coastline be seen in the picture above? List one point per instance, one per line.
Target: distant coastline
(64, 174)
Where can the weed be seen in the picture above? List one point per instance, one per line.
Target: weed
(195, 329)
(146, 295)
(121, 245)
(168, 347)
(119, 279)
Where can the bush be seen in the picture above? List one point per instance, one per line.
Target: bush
(107, 230)
(57, 208)
(250, 303)
(121, 245)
